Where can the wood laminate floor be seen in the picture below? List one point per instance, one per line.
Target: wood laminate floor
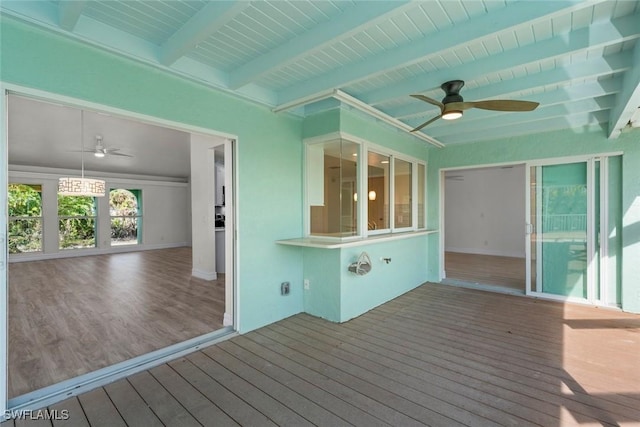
(438, 355)
(507, 272)
(71, 316)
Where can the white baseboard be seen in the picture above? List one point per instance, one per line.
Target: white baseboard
(227, 319)
(72, 253)
(481, 251)
(203, 274)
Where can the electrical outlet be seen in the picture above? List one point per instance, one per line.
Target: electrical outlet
(284, 288)
(307, 285)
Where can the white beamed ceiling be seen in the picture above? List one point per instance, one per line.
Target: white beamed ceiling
(579, 59)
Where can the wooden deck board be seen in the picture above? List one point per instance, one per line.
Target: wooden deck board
(233, 405)
(438, 355)
(394, 395)
(336, 398)
(161, 402)
(132, 407)
(202, 409)
(308, 409)
(257, 398)
(72, 406)
(99, 409)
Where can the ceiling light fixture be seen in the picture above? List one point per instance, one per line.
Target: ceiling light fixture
(100, 151)
(452, 115)
(74, 186)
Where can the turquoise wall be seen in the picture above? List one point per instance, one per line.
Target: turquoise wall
(322, 270)
(335, 293)
(407, 270)
(543, 146)
(269, 148)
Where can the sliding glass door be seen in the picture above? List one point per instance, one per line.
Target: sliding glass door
(568, 213)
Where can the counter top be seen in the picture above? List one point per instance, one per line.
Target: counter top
(318, 242)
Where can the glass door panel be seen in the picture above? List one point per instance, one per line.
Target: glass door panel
(558, 258)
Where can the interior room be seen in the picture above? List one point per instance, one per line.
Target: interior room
(484, 217)
(84, 270)
(364, 144)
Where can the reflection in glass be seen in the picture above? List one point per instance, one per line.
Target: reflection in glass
(402, 187)
(422, 182)
(332, 182)
(559, 209)
(378, 179)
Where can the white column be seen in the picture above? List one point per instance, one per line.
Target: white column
(203, 182)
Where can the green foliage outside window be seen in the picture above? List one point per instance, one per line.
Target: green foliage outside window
(77, 222)
(124, 211)
(25, 218)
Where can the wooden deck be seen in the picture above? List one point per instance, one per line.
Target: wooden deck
(438, 355)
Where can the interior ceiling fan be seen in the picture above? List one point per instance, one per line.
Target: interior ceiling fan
(101, 151)
(453, 105)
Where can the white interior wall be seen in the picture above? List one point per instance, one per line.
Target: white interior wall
(485, 211)
(166, 214)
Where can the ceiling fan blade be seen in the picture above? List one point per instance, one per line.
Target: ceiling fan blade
(112, 153)
(505, 105)
(429, 100)
(426, 123)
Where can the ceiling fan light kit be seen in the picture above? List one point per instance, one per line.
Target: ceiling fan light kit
(453, 105)
(452, 115)
(81, 186)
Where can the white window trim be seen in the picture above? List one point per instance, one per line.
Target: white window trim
(364, 147)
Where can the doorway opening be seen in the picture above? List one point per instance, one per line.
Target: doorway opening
(98, 286)
(484, 241)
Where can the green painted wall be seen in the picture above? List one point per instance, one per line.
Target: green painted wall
(322, 269)
(543, 146)
(269, 148)
(335, 293)
(407, 270)
(357, 124)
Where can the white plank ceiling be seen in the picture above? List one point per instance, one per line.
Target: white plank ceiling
(579, 59)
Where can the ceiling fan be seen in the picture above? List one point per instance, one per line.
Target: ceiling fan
(453, 105)
(101, 151)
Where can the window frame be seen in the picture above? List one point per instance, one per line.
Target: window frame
(364, 147)
(94, 217)
(138, 195)
(40, 218)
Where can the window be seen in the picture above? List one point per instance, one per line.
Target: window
(25, 218)
(77, 222)
(378, 179)
(332, 181)
(126, 216)
(422, 185)
(402, 195)
(390, 198)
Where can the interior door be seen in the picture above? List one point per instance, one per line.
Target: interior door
(558, 230)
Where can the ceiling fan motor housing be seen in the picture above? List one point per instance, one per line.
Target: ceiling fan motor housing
(452, 90)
